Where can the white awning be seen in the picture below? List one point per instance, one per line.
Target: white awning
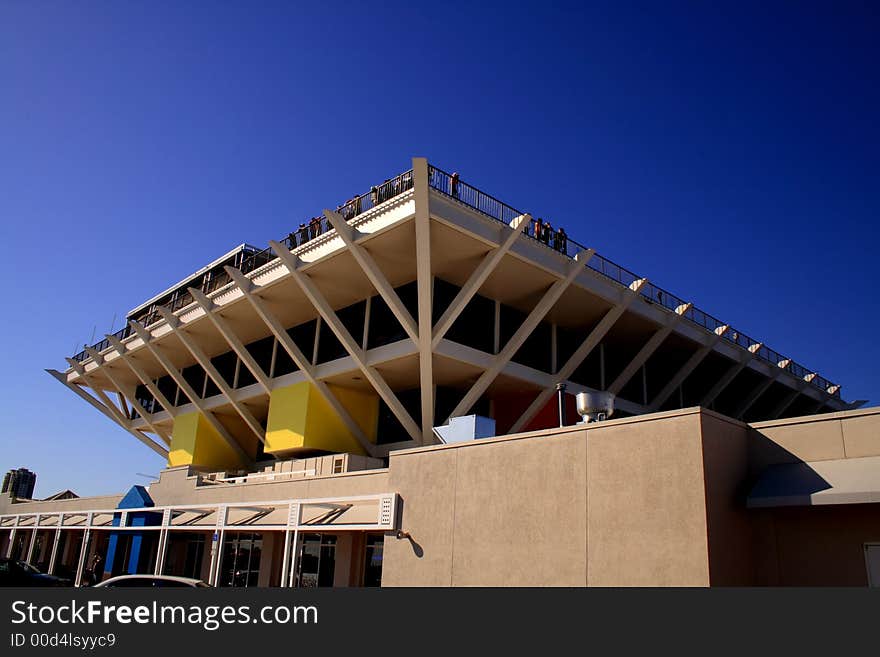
(839, 481)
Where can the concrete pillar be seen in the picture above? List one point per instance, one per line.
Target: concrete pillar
(267, 557)
(30, 550)
(83, 553)
(55, 541)
(344, 560)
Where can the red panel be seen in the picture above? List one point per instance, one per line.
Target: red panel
(509, 407)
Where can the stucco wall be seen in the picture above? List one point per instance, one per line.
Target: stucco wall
(848, 434)
(727, 482)
(815, 546)
(178, 486)
(818, 545)
(54, 506)
(621, 503)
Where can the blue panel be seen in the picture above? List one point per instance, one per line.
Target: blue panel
(134, 556)
(136, 498)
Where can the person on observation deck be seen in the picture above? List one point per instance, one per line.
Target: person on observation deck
(303, 233)
(453, 185)
(539, 228)
(547, 233)
(561, 241)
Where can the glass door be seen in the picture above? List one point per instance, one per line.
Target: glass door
(317, 561)
(240, 566)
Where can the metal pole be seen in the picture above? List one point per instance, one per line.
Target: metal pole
(560, 399)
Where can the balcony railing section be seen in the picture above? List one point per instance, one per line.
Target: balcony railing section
(251, 259)
(451, 185)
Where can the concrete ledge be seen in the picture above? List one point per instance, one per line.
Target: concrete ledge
(558, 431)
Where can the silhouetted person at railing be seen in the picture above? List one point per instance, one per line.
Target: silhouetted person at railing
(561, 241)
(314, 227)
(539, 228)
(96, 572)
(303, 233)
(348, 212)
(546, 233)
(374, 195)
(453, 185)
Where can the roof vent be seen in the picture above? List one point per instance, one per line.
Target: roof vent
(595, 406)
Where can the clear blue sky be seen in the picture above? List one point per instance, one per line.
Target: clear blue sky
(730, 155)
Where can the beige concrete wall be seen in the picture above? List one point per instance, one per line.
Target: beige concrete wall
(848, 434)
(729, 524)
(646, 503)
(179, 486)
(818, 545)
(621, 503)
(76, 504)
(815, 546)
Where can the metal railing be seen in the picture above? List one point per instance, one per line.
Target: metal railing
(306, 232)
(536, 229)
(452, 186)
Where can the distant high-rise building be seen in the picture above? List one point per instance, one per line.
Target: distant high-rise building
(20, 483)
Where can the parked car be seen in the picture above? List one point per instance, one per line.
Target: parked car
(14, 572)
(150, 581)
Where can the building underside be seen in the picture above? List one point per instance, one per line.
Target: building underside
(421, 301)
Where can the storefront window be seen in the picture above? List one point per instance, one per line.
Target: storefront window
(317, 560)
(241, 560)
(373, 560)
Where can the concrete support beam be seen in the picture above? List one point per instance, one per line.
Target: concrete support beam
(182, 383)
(139, 372)
(128, 396)
(161, 451)
(686, 369)
(787, 401)
(647, 350)
(490, 261)
(371, 270)
(231, 339)
(299, 358)
(115, 410)
(585, 349)
(202, 359)
(725, 381)
(425, 285)
(749, 401)
(551, 296)
(327, 313)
